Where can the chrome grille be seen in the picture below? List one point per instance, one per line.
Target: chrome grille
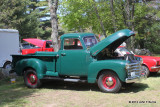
(133, 68)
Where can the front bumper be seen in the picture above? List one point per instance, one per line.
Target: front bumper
(155, 68)
(135, 79)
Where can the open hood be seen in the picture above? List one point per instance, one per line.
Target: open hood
(112, 41)
(35, 41)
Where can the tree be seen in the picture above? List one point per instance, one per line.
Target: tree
(137, 15)
(99, 18)
(53, 5)
(113, 15)
(41, 6)
(14, 14)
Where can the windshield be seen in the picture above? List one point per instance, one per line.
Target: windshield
(122, 51)
(90, 41)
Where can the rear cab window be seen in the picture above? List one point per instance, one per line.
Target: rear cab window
(72, 44)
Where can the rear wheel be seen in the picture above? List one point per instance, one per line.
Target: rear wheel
(31, 80)
(7, 65)
(109, 82)
(146, 70)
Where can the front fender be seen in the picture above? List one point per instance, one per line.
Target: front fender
(118, 66)
(149, 63)
(34, 63)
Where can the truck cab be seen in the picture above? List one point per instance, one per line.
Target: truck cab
(81, 58)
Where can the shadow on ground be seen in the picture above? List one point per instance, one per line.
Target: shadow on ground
(154, 74)
(134, 88)
(13, 94)
(52, 84)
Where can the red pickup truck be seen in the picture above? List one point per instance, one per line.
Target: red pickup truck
(37, 45)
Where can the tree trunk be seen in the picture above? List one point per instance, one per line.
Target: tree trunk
(132, 17)
(128, 13)
(113, 15)
(99, 18)
(53, 5)
(128, 24)
(123, 13)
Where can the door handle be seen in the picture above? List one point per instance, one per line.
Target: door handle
(63, 54)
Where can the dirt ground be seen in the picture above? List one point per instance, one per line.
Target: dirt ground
(66, 94)
(58, 94)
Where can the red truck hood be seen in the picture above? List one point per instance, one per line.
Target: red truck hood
(35, 41)
(148, 57)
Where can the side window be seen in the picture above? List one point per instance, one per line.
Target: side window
(72, 43)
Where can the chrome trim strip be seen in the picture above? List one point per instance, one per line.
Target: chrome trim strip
(155, 67)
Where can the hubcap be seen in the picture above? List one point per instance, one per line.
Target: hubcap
(109, 81)
(8, 67)
(32, 79)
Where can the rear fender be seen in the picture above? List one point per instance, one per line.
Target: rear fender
(33, 63)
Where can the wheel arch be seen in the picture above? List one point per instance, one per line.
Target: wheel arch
(144, 64)
(6, 63)
(106, 70)
(33, 63)
(27, 68)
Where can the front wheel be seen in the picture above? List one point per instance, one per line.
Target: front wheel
(31, 80)
(109, 82)
(146, 70)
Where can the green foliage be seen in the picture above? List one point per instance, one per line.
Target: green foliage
(80, 16)
(14, 14)
(152, 39)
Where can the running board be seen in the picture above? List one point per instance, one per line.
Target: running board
(66, 79)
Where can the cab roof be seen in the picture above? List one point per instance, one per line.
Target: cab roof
(76, 35)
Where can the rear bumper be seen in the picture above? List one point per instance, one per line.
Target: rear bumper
(135, 79)
(155, 68)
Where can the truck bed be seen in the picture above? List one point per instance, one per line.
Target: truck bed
(48, 58)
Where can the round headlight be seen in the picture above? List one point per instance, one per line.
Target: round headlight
(127, 66)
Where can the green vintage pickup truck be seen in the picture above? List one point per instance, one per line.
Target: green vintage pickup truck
(81, 58)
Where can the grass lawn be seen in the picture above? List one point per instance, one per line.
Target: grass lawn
(58, 94)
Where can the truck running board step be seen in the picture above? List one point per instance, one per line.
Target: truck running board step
(66, 79)
(74, 80)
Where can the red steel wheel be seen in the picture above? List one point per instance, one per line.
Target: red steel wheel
(31, 80)
(109, 82)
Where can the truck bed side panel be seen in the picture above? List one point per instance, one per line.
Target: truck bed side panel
(41, 64)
